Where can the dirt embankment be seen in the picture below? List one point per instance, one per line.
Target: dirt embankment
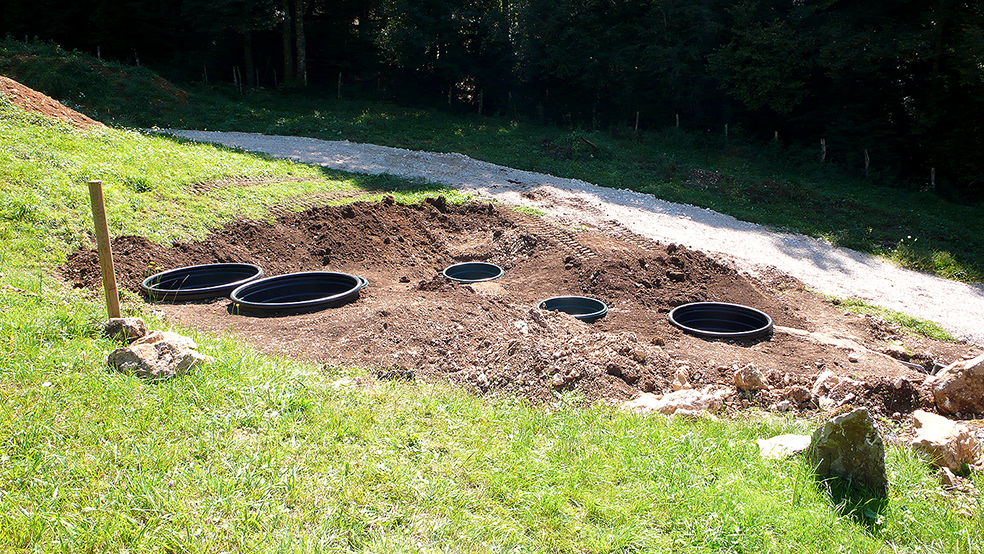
(485, 336)
(34, 101)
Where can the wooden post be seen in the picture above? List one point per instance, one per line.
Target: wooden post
(637, 122)
(105, 248)
(867, 163)
(678, 121)
(823, 150)
(339, 96)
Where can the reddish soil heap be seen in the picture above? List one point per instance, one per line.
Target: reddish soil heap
(34, 101)
(410, 320)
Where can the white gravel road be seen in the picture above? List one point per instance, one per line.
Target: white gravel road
(957, 307)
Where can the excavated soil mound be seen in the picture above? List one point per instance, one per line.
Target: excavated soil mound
(34, 101)
(411, 321)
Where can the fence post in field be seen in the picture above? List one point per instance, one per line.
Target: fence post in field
(105, 249)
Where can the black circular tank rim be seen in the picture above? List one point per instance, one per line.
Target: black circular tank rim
(762, 321)
(353, 283)
(494, 271)
(599, 313)
(151, 285)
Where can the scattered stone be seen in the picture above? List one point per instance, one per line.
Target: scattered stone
(681, 380)
(783, 446)
(897, 351)
(827, 404)
(947, 444)
(832, 391)
(685, 402)
(797, 394)
(639, 355)
(959, 387)
(948, 480)
(825, 381)
(126, 329)
(522, 326)
(749, 378)
(158, 355)
(849, 447)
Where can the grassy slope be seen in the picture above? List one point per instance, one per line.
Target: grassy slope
(260, 454)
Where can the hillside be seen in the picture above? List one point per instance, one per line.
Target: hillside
(262, 453)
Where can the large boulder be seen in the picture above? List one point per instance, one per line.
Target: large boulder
(959, 387)
(158, 355)
(849, 447)
(946, 443)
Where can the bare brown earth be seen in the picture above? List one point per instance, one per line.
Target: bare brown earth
(34, 101)
(411, 321)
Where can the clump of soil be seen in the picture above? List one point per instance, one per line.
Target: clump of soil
(34, 101)
(411, 321)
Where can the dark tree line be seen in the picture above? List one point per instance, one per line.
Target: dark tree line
(892, 83)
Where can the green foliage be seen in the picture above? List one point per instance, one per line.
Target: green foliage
(109, 92)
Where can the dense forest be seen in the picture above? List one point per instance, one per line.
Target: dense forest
(896, 86)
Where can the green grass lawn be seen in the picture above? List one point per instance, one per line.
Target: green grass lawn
(258, 454)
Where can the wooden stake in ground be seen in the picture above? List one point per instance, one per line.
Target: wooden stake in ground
(105, 249)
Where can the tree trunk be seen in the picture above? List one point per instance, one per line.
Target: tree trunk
(248, 57)
(288, 41)
(299, 7)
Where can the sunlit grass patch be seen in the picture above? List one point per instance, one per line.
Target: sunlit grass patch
(530, 210)
(909, 323)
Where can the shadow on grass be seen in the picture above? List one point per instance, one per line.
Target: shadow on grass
(856, 502)
(385, 182)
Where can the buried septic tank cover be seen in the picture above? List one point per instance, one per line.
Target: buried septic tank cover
(297, 293)
(473, 272)
(719, 320)
(198, 282)
(583, 308)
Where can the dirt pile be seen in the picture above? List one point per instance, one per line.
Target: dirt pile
(34, 101)
(410, 320)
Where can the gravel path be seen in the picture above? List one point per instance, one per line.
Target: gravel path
(957, 307)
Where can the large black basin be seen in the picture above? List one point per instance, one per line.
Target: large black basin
(583, 308)
(198, 282)
(297, 293)
(473, 272)
(719, 320)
